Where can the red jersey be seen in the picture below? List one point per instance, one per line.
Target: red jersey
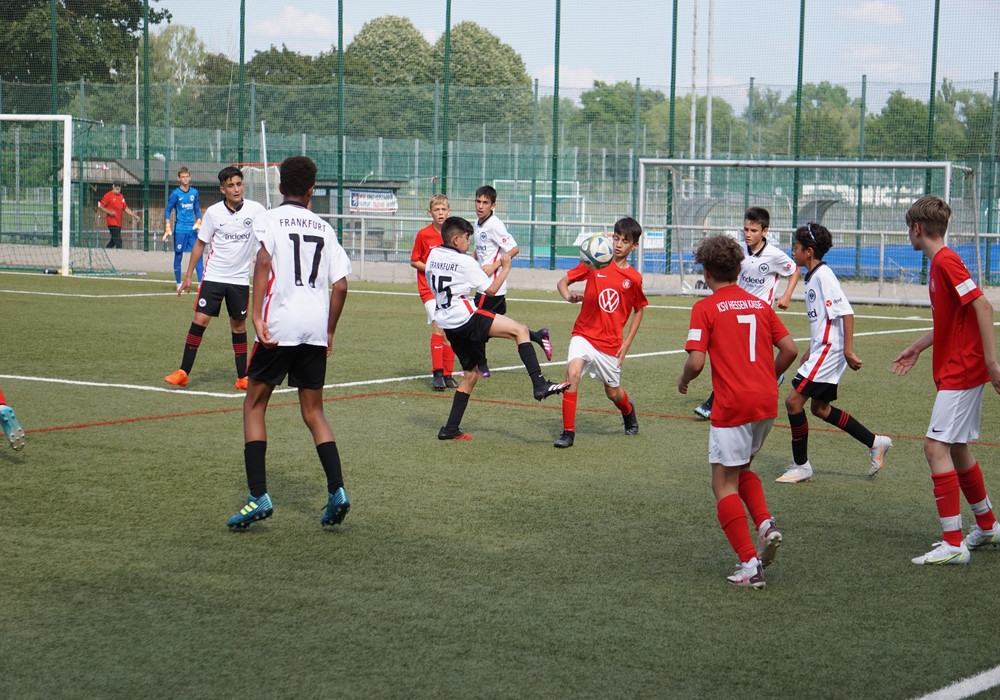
(959, 361)
(428, 237)
(609, 299)
(116, 203)
(738, 331)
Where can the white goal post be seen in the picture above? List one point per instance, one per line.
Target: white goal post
(697, 189)
(67, 169)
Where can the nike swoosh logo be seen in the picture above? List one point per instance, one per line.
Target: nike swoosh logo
(935, 430)
(600, 275)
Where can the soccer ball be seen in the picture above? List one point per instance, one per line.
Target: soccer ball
(597, 252)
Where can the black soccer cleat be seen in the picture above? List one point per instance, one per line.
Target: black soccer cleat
(565, 440)
(544, 388)
(450, 382)
(445, 434)
(631, 421)
(438, 383)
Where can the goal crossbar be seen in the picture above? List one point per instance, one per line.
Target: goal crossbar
(67, 166)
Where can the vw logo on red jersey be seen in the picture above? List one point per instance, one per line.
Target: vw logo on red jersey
(608, 300)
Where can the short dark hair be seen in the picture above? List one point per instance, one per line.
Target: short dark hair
(298, 174)
(228, 172)
(488, 192)
(815, 236)
(628, 228)
(758, 215)
(720, 256)
(453, 227)
(932, 213)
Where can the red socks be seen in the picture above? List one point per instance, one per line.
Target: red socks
(752, 493)
(946, 495)
(733, 520)
(974, 489)
(569, 410)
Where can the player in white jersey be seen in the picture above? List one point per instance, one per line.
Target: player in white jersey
(763, 265)
(229, 227)
(454, 278)
(295, 315)
(831, 351)
(491, 239)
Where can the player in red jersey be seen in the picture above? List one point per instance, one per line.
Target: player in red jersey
(739, 331)
(964, 362)
(113, 205)
(610, 297)
(442, 356)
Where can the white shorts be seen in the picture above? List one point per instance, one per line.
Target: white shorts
(597, 364)
(736, 446)
(429, 305)
(956, 414)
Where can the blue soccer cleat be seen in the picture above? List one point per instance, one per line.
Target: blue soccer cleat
(255, 509)
(11, 428)
(337, 506)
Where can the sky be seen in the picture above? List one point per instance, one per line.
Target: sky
(889, 41)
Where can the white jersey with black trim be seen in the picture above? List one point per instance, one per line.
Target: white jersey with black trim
(231, 235)
(760, 271)
(492, 239)
(826, 305)
(305, 260)
(454, 278)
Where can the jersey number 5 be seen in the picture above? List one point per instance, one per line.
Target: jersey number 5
(442, 289)
(317, 256)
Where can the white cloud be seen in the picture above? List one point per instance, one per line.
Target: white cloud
(570, 78)
(294, 24)
(873, 12)
(431, 35)
(883, 63)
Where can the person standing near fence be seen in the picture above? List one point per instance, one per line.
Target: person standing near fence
(964, 362)
(183, 200)
(113, 205)
(491, 240)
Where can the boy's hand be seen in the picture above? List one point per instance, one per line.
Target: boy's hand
(575, 297)
(905, 361)
(505, 261)
(853, 361)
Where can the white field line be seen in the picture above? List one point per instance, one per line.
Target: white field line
(967, 687)
(362, 382)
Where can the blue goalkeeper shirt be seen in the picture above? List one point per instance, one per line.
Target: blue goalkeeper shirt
(187, 206)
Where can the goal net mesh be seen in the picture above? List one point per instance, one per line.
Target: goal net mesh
(255, 188)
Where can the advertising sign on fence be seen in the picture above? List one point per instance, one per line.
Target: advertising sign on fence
(374, 201)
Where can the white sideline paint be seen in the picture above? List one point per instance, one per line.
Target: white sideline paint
(967, 687)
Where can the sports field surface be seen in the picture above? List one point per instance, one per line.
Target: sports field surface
(499, 567)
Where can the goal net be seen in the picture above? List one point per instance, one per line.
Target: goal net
(46, 218)
(261, 184)
(862, 203)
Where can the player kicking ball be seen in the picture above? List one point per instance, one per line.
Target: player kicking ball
(738, 331)
(454, 277)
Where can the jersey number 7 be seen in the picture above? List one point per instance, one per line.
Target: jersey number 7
(317, 256)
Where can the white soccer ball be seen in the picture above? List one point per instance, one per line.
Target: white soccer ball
(597, 252)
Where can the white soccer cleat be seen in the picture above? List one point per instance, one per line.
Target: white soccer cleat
(768, 541)
(749, 575)
(796, 473)
(978, 537)
(944, 553)
(877, 454)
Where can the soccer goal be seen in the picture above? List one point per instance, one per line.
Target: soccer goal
(37, 196)
(260, 183)
(863, 203)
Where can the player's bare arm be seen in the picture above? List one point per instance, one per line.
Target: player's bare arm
(500, 278)
(984, 317)
(419, 266)
(199, 247)
(853, 361)
(562, 286)
(693, 366)
(787, 352)
(632, 330)
(338, 296)
(261, 275)
(785, 299)
(905, 361)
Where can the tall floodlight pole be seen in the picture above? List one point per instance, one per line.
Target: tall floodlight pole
(340, 120)
(798, 116)
(239, 111)
(145, 125)
(555, 143)
(444, 106)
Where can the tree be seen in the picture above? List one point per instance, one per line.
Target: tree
(96, 39)
(479, 58)
(615, 104)
(176, 54)
(398, 54)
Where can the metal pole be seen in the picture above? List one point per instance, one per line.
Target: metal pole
(340, 120)
(555, 142)
(145, 125)
(693, 136)
(668, 234)
(798, 116)
(746, 196)
(55, 125)
(992, 188)
(930, 104)
(239, 111)
(858, 219)
(534, 176)
(635, 152)
(447, 90)
(708, 99)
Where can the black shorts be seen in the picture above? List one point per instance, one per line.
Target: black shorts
(497, 305)
(304, 365)
(211, 294)
(469, 340)
(820, 391)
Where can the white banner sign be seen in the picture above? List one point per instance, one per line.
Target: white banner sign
(374, 201)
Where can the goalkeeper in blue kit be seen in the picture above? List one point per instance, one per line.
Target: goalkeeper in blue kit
(183, 200)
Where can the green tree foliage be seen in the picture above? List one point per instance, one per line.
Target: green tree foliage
(96, 39)
(398, 54)
(176, 54)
